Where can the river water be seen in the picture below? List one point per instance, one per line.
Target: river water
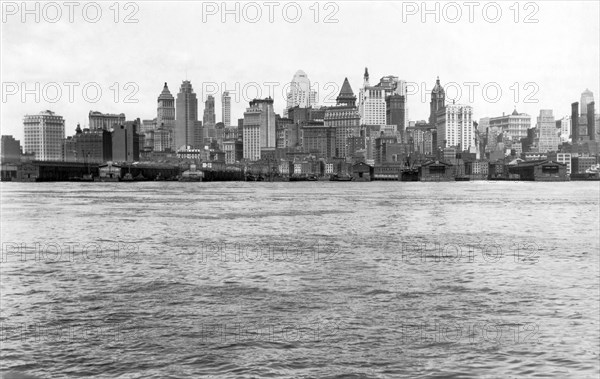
(307, 279)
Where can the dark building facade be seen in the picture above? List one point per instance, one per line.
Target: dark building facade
(125, 142)
(591, 123)
(575, 122)
(437, 103)
(580, 164)
(188, 130)
(10, 150)
(395, 112)
(318, 139)
(88, 146)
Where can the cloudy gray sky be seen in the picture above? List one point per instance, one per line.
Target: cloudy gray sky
(550, 61)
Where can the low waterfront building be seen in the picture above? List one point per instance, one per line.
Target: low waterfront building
(362, 172)
(388, 171)
(436, 171)
(542, 170)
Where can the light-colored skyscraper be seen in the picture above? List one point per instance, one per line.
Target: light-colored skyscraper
(548, 136)
(587, 97)
(455, 127)
(259, 128)
(44, 135)
(165, 121)
(565, 129)
(371, 103)
(187, 126)
(226, 109)
(300, 93)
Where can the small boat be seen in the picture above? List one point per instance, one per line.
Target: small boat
(341, 178)
(462, 178)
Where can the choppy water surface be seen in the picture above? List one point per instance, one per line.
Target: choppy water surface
(317, 279)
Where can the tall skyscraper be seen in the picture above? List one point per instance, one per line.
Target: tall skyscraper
(548, 136)
(438, 101)
(344, 117)
(209, 121)
(396, 112)
(187, 126)
(455, 127)
(226, 109)
(371, 103)
(574, 122)
(587, 97)
(209, 118)
(300, 93)
(259, 128)
(591, 122)
(165, 120)
(44, 135)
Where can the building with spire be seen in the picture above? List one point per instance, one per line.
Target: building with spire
(438, 101)
(165, 121)
(344, 118)
(371, 103)
(188, 130)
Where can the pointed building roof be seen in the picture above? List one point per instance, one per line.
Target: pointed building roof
(438, 87)
(515, 113)
(165, 94)
(346, 89)
(346, 96)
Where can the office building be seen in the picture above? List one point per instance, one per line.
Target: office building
(10, 150)
(548, 135)
(188, 130)
(44, 135)
(344, 118)
(226, 109)
(105, 121)
(259, 128)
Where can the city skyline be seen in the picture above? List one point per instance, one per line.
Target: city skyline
(557, 86)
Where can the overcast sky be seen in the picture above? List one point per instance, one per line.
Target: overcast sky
(171, 42)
